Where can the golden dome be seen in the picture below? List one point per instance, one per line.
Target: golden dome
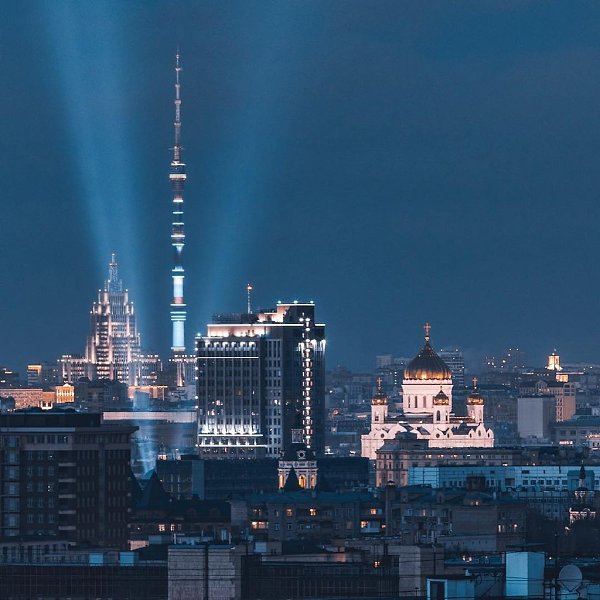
(380, 397)
(427, 364)
(475, 397)
(440, 399)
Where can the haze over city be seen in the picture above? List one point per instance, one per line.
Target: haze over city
(395, 162)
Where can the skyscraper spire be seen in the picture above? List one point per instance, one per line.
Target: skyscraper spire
(177, 177)
(113, 284)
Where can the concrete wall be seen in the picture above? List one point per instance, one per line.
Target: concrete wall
(525, 574)
(204, 572)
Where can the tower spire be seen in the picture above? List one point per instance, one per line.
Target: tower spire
(177, 123)
(113, 284)
(177, 176)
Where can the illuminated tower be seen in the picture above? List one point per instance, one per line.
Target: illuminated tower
(177, 177)
(113, 347)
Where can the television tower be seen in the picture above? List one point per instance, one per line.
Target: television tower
(177, 177)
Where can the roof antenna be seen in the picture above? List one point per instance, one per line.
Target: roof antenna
(249, 292)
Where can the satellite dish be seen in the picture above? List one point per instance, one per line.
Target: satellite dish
(570, 578)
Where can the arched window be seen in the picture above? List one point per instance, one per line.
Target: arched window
(438, 416)
(302, 481)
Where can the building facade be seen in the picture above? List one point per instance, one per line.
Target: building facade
(535, 416)
(397, 459)
(255, 372)
(66, 476)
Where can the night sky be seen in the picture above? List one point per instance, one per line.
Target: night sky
(395, 162)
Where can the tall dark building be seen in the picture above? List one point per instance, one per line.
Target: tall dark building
(256, 370)
(65, 475)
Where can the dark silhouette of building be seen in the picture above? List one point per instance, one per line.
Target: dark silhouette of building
(65, 475)
(191, 475)
(157, 512)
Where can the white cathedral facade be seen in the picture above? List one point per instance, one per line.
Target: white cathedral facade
(427, 409)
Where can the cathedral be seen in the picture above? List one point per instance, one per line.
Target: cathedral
(427, 409)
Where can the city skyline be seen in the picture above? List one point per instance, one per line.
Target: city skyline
(356, 176)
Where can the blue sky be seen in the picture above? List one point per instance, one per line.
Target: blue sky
(395, 162)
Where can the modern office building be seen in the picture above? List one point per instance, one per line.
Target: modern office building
(66, 475)
(455, 360)
(255, 371)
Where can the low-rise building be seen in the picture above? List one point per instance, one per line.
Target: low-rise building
(397, 456)
(461, 519)
(294, 514)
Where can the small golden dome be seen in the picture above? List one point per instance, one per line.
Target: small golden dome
(440, 399)
(475, 397)
(380, 396)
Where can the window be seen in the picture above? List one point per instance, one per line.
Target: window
(289, 512)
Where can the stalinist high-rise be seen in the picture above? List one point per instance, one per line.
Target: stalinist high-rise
(113, 346)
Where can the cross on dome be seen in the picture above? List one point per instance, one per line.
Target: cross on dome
(427, 328)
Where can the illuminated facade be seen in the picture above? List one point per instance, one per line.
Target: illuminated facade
(553, 362)
(73, 367)
(113, 347)
(427, 409)
(255, 372)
